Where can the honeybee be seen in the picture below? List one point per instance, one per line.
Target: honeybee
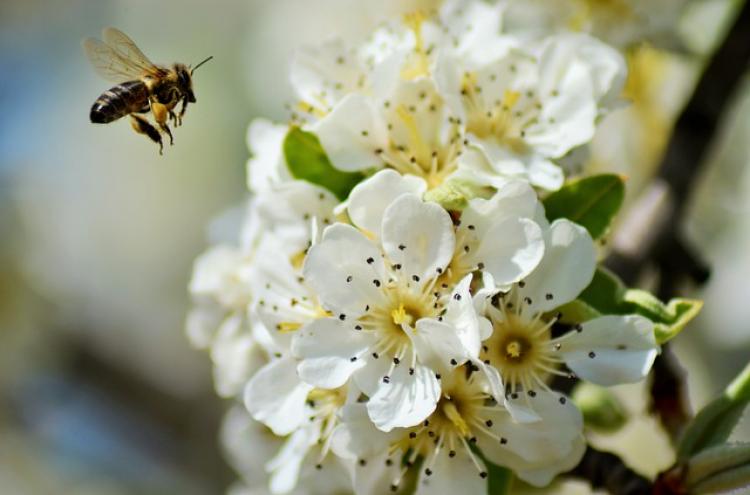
(142, 87)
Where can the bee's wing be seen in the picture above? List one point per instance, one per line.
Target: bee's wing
(119, 59)
(108, 63)
(129, 51)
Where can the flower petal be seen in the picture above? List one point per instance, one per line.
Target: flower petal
(452, 475)
(369, 199)
(330, 350)
(356, 437)
(419, 236)
(456, 337)
(511, 249)
(267, 165)
(286, 465)
(530, 445)
(276, 397)
(565, 270)
(351, 134)
(406, 400)
(235, 356)
(341, 269)
(610, 350)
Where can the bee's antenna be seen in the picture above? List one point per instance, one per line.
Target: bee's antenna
(199, 64)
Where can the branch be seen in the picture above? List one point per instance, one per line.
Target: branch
(660, 243)
(606, 470)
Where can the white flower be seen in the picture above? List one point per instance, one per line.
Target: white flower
(398, 288)
(465, 417)
(266, 166)
(411, 131)
(270, 464)
(523, 350)
(621, 23)
(534, 105)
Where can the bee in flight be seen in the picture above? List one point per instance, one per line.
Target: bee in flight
(142, 87)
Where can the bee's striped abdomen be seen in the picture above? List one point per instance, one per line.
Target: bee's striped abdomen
(119, 101)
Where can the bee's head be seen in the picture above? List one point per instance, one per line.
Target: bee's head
(185, 78)
(185, 81)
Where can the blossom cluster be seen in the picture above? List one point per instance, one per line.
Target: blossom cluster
(408, 333)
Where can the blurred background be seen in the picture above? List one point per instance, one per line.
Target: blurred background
(100, 392)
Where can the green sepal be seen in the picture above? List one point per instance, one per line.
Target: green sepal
(306, 160)
(606, 294)
(715, 422)
(454, 194)
(591, 201)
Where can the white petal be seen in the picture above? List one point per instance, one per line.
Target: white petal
(351, 133)
(406, 400)
(314, 67)
(235, 356)
(546, 442)
(276, 397)
(369, 199)
(455, 337)
(246, 443)
(202, 322)
(511, 249)
(545, 174)
(356, 437)
(419, 236)
(290, 209)
(285, 466)
(342, 268)
(452, 475)
(376, 476)
(567, 267)
(623, 347)
(515, 199)
(545, 472)
(327, 347)
(267, 165)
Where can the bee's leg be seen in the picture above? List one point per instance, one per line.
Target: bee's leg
(173, 118)
(161, 113)
(182, 110)
(142, 126)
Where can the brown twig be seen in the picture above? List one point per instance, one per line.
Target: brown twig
(663, 247)
(606, 470)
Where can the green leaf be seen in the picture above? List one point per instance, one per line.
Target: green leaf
(307, 160)
(715, 460)
(499, 479)
(590, 201)
(606, 294)
(715, 422)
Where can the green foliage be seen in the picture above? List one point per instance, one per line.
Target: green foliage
(307, 160)
(715, 422)
(590, 201)
(606, 294)
(719, 465)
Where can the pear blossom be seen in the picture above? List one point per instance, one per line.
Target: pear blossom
(465, 418)
(530, 108)
(269, 464)
(397, 286)
(525, 348)
(621, 23)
